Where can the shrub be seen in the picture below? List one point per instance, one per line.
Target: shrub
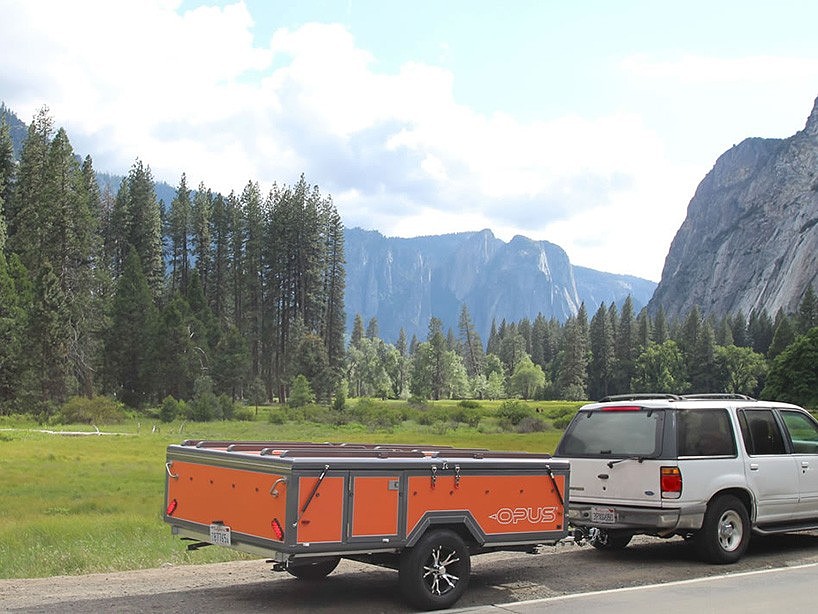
(529, 424)
(511, 412)
(244, 413)
(96, 410)
(469, 404)
(169, 409)
(277, 415)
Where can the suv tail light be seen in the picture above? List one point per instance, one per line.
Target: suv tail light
(670, 479)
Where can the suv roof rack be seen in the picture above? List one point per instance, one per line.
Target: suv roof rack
(718, 396)
(640, 396)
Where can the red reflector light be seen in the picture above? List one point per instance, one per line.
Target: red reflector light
(671, 482)
(172, 507)
(622, 408)
(277, 530)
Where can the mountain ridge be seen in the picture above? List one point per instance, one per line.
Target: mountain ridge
(750, 238)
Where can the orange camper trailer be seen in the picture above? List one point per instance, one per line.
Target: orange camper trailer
(423, 510)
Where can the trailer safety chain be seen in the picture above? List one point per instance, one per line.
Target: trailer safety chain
(457, 476)
(312, 494)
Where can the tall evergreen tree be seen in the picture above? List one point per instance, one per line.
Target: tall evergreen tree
(130, 344)
(573, 372)
(12, 328)
(625, 347)
(28, 233)
(807, 311)
(201, 215)
(180, 230)
(600, 370)
(470, 343)
(48, 338)
(7, 173)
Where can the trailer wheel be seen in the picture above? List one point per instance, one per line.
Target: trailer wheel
(435, 572)
(316, 569)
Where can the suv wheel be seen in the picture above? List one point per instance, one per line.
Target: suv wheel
(725, 531)
(602, 539)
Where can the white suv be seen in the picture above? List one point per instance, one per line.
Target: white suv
(712, 468)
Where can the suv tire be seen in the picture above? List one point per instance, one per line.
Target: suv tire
(725, 532)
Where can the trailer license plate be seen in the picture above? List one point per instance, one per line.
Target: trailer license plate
(603, 515)
(219, 535)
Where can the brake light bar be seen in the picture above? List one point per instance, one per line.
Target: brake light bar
(622, 408)
(670, 479)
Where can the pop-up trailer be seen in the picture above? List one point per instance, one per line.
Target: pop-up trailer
(423, 510)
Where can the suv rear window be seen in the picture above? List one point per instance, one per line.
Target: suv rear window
(704, 432)
(633, 432)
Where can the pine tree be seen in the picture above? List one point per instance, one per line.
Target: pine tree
(7, 174)
(807, 311)
(28, 233)
(625, 347)
(202, 214)
(357, 330)
(179, 230)
(471, 345)
(784, 334)
(12, 326)
(573, 374)
(600, 370)
(660, 327)
(48, 338)
(130, 344)
(372, 328)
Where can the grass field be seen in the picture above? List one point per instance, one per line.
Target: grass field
(82, 504)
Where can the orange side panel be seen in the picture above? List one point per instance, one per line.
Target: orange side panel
(501, 504)
(240, 499)
(324, 519)
(374, 506)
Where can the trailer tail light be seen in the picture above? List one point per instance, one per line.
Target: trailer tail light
(277, 530)
(172, 507)
(671, 482)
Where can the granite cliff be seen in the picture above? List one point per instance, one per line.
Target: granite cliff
(750, 238)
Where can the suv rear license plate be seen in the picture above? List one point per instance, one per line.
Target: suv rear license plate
(603, 515)
(219, 535)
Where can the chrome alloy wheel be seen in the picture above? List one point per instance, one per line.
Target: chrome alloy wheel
(435, 574)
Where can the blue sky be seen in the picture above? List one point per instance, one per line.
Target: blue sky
(588, 124)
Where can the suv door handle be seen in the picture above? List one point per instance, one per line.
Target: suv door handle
(753, 466)
(804, 464)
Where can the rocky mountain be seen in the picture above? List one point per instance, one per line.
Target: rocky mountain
(404, 282)
(750, 239)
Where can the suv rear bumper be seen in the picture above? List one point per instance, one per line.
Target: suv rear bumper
(640, 519)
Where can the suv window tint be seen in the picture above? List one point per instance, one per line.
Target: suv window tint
(614, 433)
(760, 432)
(704, 432)
(803, 432)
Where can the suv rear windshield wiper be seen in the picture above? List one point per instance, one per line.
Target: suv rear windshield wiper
(639, 459)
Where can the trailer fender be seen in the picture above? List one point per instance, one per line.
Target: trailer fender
(462, 521)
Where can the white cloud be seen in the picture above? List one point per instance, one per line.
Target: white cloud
(191, 92)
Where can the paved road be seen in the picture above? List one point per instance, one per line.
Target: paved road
(500, 582)
(764, 591)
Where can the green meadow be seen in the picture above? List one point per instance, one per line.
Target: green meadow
(81, 504)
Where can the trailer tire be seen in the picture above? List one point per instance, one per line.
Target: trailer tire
(434, 573)
(316, 569)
